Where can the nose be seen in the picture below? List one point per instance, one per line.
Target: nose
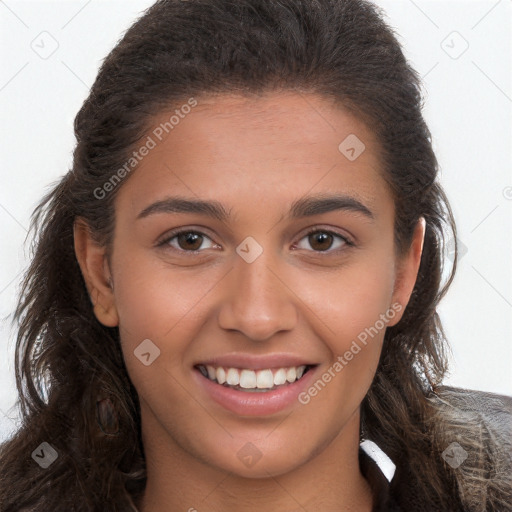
(259, 302)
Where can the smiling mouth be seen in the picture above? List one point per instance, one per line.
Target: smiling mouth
(254, 380)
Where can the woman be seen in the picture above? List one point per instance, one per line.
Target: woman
(237, 281)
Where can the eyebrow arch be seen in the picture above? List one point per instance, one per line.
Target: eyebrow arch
(303, 207)
(324, 203)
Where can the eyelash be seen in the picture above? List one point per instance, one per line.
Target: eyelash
(174, 234)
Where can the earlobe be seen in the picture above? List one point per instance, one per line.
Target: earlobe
(105, 309)
(108, 317)
(408, 271)
(93, 263)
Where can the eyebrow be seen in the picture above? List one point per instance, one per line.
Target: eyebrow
(303, 207)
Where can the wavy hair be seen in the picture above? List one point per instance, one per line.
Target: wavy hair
(74, 391)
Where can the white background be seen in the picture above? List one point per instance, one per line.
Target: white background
(467, 106)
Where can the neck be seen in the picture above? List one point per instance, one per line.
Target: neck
(330, 480)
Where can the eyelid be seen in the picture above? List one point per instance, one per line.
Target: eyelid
(164, 241)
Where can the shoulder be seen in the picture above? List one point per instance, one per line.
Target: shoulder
(475, 433)
(490, 411)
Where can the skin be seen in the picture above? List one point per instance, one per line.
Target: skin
(299, 296)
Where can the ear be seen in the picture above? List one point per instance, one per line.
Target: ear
(94, 266)
(407, 271)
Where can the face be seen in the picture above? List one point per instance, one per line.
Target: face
(284, 286)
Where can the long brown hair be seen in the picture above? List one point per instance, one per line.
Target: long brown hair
(74, 391)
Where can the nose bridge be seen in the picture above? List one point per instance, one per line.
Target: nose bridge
(258, 302)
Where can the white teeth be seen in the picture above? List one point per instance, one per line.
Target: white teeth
(265, 379)
(233, 377)
(253, 380)
(280, 377)
(247, 379)
(211, 372)
(221, 375)
(291, 374)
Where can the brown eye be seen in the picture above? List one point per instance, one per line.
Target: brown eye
(320, 240)
(185, 241)
(189, 240)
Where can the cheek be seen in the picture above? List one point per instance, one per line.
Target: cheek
(152, 299)
(355, 307)
(351, 302)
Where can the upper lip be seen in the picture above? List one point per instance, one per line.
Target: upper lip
(256, 362)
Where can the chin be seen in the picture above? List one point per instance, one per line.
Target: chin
(253, 460)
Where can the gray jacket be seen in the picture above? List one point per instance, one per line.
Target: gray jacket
(476, 429)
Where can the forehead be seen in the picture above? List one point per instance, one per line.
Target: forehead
(279, 119)
(268, 148)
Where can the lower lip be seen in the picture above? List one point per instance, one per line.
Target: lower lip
(247, 403)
